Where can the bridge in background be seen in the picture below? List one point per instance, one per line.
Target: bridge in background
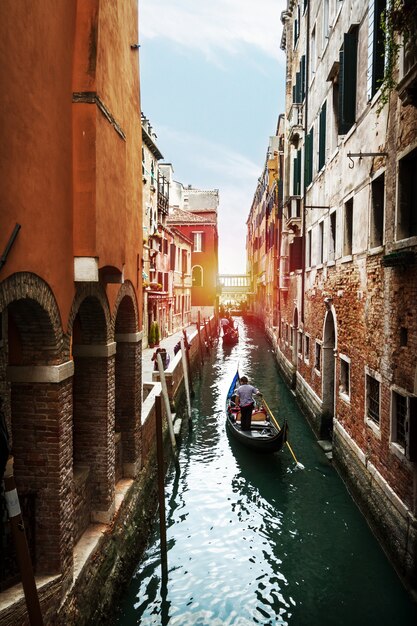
(233, 288)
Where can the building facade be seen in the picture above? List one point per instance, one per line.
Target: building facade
(193, 213)
(70, 280)
(346, 332)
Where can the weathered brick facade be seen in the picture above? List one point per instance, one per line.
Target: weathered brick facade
(346, 339)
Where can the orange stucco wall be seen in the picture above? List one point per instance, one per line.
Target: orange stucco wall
(36, 44)
(68, 176)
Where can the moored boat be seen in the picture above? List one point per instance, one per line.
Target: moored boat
(265, 434)
(230, 336)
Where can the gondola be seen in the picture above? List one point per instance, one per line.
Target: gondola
(264, 436)
(231, 336)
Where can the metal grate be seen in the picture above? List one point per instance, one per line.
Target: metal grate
(373, 399)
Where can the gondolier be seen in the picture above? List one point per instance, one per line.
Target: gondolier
(244, 398)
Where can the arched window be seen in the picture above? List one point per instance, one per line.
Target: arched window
(197, 276)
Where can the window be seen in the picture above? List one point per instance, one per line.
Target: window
(347, 81)
(376, 46)
(313, 52)
(198, 242)
(197, 276)
(306, 348)
(320, 243)
(332, 237)
(300, 344)
(377, 211)
(372, 411)
(344, 384)
(297, 26)
(407, 196)
(399, 418)
(348, 228)
(322, 137)
(308, 259)
(325, 22)
(297, 174)
(317, 357)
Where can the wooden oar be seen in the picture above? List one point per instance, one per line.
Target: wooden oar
(300, 465)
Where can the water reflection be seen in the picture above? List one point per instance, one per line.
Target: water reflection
(253, 540)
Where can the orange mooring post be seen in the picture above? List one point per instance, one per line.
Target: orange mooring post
(22, 550)
(206, 334)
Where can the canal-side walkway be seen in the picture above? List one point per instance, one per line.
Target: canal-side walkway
(168, 343)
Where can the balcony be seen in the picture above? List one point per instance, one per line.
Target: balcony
(295, 121)
(293, 213)
(163, 195)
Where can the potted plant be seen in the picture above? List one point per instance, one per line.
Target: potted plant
(157, 333)
(151, 335)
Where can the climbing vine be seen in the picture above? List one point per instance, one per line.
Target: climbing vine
(399, 24)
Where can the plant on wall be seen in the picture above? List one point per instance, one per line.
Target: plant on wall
(399, 24)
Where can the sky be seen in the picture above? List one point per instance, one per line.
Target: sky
(212, 86)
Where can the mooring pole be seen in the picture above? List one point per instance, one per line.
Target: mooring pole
(167, 404)
(161, 486)
(184, 369)
(206, 336)
(187, 352)
(22, 549)
(200, 346)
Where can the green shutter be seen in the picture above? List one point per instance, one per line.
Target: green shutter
(322, 137)
(347, 80)
(303, 76)
(308, 159)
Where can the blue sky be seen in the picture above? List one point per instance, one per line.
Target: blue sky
(212, 85)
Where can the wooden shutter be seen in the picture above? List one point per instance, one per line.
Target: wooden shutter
(322, 137)
(308, 164)
(303, 76)
(347, 79)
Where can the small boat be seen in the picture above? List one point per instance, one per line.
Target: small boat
(230, 336)
(265, 434)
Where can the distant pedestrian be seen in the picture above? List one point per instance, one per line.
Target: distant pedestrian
(164, 356)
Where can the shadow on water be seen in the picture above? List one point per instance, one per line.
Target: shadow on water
(251, 538)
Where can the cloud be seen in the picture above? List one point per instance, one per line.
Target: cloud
(214, 27)
(234, 175)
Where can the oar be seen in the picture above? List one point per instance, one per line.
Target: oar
(299, 465)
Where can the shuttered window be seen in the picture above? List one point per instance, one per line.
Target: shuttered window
(297, 174)
(308, 165)
(322, 137)
(347, 81)
(376, 46)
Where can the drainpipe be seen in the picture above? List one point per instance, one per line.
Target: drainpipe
(303, 255)
(9, 244)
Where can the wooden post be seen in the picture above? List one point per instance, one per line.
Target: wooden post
(187, 352)
(206, 336)
(161, 485)
(166, 399)
(184, 369)
(22, 549)
(200, 345)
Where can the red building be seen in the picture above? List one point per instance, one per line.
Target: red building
(196, 218)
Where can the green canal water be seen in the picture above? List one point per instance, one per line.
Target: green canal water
(253, 539)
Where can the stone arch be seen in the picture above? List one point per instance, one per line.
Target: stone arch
(94, 296)
(36, 381)
(93, 451)
(329, 386)
(35, 317)
(126, 314)
(128, 384)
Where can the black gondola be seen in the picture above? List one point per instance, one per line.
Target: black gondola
(230, 336)
(264, 436)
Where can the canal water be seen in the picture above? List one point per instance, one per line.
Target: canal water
(254, 539)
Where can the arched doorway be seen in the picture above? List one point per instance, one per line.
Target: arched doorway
(328, 388)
